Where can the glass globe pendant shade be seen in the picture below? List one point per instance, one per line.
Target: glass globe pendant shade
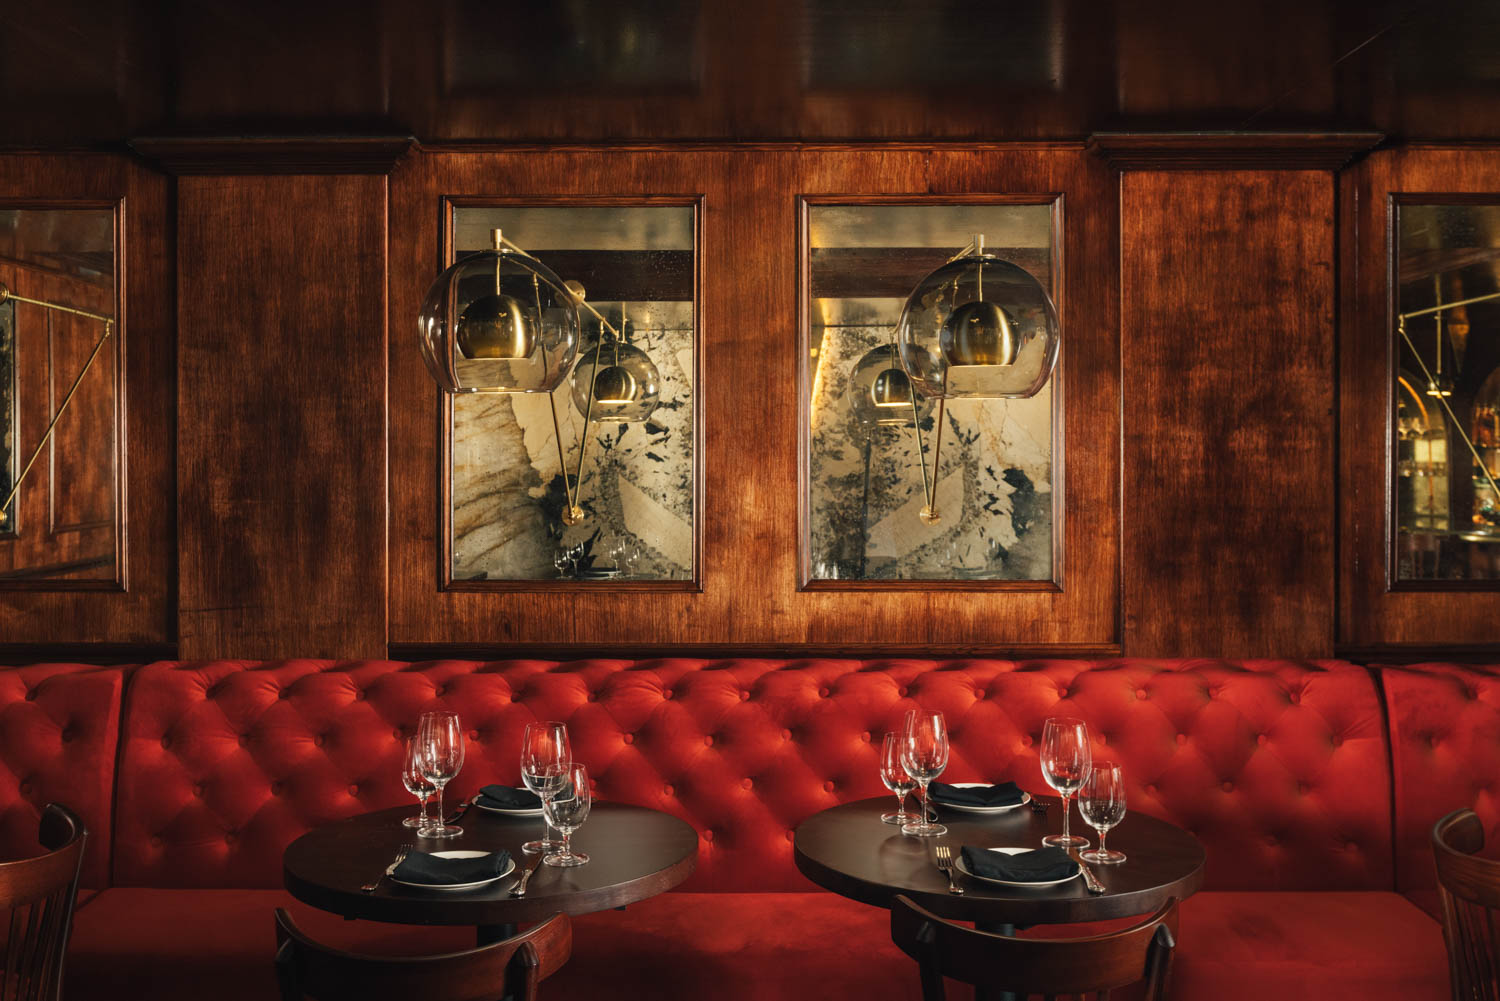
(880, 393)
(626, 383)
(978, 327)
(499, 322)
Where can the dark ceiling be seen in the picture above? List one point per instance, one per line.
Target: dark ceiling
(89, 73)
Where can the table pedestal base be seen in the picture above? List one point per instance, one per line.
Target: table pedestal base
(981, 993)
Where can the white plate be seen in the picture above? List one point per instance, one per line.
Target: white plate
(1025, 798)
(534, 811)
(959, 864)
(458, 886)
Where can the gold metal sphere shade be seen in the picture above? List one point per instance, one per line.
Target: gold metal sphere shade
(615, 385)
(891, 389)
(979, 333)
(496, 326)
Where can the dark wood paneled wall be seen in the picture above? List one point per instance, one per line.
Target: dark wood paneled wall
(1228, 382)
(281, 382)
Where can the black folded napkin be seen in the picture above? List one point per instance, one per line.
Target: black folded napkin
(507, 798)
(1003, 794)
(429, 870)
(1041, 866)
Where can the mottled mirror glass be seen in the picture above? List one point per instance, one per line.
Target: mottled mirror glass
(866, 478)
(636, 264)
(62, 521)
(1447, 392)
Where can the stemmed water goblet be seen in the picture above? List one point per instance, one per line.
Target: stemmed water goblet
(416, 783)
(440, 751)
(566, 809)
(1065, 764)
(924, 755)
(894, 775)
(1102, 803)
(546, 756)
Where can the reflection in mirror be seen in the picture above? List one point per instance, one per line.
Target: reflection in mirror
(993, 473)
(628, 443)
(62, 522)
(1447, 392)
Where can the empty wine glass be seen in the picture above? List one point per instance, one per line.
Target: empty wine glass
(566, 809)
(1065, 764)
(924, 755)
(560, 560)
(440, 751)
(545, 757)
(416, 783)
(1102, 803)
(894, 775)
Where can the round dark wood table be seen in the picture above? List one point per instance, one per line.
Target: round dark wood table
(635, 853)
(848, 850)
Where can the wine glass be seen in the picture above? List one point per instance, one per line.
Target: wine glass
(545, 757)
(1102, 803)
(924, 755)
(560, 560)
(440, 751)
(416, 783)
(566, 809)
(894, 775)
(1065, 764)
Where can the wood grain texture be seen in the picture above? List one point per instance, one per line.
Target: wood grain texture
(1231, 150)
(1371, 614)
(136, 608)
(281, 432)
(1227, 300)
(750, 518)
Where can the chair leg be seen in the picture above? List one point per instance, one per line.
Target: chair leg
(928, 967)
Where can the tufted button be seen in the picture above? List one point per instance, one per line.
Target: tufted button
(709, 740)
(865, 736)
(359, 695)
(708, 835)
(397, 733)
(1261, 739)
(786, 735)
(166, 742)
(474, 735)
(747, 784)
(629, 738)
(1350, 846)
(67, 734)
(666, 791)
(1432, 740)
(666, 693)
(1302, 788)
(156, 841)
(230, 837)
(318, 741)
(277, 788)
(441, 690)
(1140, 693)
(828, 786)
(1338, 740)
(1104, 738)
(26, 788)
(1294, 697)
(1271, 841)
(1227, 786)
(353, 789)
(1026, 740)
(744, 696)
(902, 691)
(590, 697)
(791, 835)
(31, 694)
(1151, 788)
(284, 693)
(1182, 738)
(245, 740)
(198, 790)
(823, 693)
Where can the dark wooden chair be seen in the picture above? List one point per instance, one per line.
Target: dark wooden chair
(39, 893)
(511, 968)
(1027, 966)
(1469, 889)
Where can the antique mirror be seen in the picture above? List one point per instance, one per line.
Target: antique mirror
(60, 398)
(930, 335)
(1445, 421)
(595, 482)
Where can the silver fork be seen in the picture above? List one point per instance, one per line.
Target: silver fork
(946, 863)
(400, 857)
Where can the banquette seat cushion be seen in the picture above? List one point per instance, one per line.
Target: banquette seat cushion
(1281, 768)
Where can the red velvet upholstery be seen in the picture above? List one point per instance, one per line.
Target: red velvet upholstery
(59, 724)
(1279, 767)
(1445, 754)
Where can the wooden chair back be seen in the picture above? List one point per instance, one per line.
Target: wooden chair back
(511, 968)
(38, 894)
(1082, 967)
(1469, 889)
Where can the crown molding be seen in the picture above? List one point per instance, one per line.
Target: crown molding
(275, 154)
(1232, 150)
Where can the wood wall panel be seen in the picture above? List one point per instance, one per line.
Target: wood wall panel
(750, 596)
(1227, 376)
(281, 435)
(1373, 618)
(138, 611)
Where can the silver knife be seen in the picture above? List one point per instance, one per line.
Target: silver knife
(519, 890)
(1089, 879)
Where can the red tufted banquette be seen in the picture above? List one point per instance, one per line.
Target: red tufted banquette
(1282, 769)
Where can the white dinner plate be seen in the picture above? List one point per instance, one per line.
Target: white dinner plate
(961, 808)
(503, 811)
(959, 864)
(510, 867)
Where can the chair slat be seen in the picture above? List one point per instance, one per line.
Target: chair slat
(38, 893)
(1469, 892)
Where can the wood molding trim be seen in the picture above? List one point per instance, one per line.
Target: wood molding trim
(721, 651)
(1232, 150)
(275, 154)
